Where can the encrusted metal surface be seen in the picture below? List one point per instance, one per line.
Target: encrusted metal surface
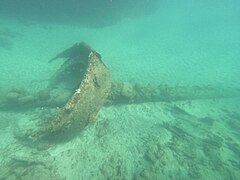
(84, 104)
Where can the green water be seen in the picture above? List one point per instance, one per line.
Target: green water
(185, 44)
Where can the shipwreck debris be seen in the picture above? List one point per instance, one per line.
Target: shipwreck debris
(82, 85)
(87, 97)
(77, 50)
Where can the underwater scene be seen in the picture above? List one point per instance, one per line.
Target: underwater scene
(119, 90)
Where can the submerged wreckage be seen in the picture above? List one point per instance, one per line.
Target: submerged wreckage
(82, 85)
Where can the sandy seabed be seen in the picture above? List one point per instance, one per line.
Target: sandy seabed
(179, 140)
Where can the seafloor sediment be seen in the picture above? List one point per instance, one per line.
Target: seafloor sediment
(178, 140)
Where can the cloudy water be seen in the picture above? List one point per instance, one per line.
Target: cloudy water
(119, 89)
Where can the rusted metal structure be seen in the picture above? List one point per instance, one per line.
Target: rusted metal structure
(82, 85)
(93, 87)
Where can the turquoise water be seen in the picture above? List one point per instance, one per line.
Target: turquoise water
(190, 47)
